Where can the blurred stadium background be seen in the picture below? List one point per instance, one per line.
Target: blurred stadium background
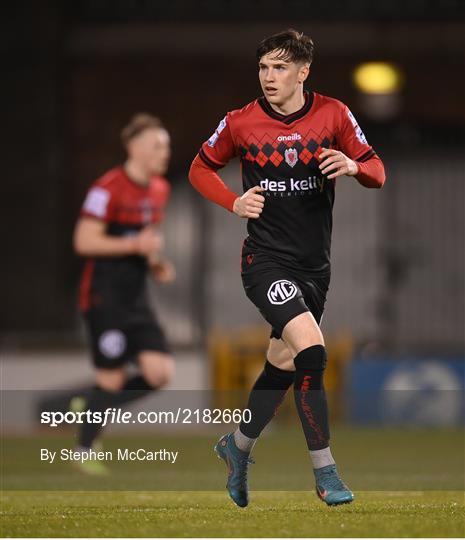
(395, 314)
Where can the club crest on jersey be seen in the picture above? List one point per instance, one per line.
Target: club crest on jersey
(290, 155)
(281, 292)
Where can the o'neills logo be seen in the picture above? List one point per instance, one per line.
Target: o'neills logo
(292, 137)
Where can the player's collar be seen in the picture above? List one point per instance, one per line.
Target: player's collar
(287, 118)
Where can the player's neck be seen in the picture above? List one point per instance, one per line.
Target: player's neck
(136, 173)
(292, 105)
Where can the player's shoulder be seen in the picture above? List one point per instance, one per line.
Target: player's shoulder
(105, 189)
(243, 113)
(111, 180)
(328, 102)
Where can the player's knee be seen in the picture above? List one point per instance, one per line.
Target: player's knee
(157, 369)
(283, 377)
(111, 380)
(168, 366)
(154, 377)
(302, 332)
(312, 358)
(164, 374)
(282, 360)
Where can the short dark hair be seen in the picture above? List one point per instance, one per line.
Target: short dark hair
(139, 123)
(295, 46)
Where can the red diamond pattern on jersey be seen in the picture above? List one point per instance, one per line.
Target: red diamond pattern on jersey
(261, 158)
(276, 158)
(270, 149)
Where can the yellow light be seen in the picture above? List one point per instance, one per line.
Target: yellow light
(377, 78)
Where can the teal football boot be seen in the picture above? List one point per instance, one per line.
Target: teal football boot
(330, 488)
(238, 464)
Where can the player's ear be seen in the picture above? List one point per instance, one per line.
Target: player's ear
(304, 71)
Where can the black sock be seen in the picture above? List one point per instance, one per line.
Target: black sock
(310, 396)
(135, 388)
(100, 400)
(266, 396)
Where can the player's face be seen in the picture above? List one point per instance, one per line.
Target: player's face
(280, 79)
(151, 150)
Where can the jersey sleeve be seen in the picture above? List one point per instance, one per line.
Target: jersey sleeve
(209, 184)
(99, 203)
(351, 139)
(220, 147)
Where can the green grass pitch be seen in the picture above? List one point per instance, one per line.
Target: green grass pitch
(207, 514)
(402, 489)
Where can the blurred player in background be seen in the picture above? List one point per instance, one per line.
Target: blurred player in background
(118, 234)
(292, 145)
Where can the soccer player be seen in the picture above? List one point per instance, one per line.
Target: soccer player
(118, 234)
(292, 145)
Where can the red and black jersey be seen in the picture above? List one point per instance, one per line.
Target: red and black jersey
(126, 207)
(279, 153)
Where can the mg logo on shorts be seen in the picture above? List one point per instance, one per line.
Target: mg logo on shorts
(112, 343)
(281, 292)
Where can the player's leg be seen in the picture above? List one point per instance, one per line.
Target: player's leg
(114, 389)
(267, 394)
(293, 305)
(108, 339)
(154, 356)
(109, 383)
(157, 368)
(258, 277)
(111, 380)
(147, 340)
(265, 398)
(305, 341)
(100, 397)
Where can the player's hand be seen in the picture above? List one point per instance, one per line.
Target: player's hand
(337, 162)
(163, 271)
(148, 242)
(251, 204)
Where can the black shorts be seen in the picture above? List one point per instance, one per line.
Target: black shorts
(281, 293)
(117, 335)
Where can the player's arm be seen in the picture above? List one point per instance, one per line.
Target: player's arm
(91, 240)
(163, 270)
(356, 157)
(160, 268)
(208, 182)
(369, 173)
(213, 155)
